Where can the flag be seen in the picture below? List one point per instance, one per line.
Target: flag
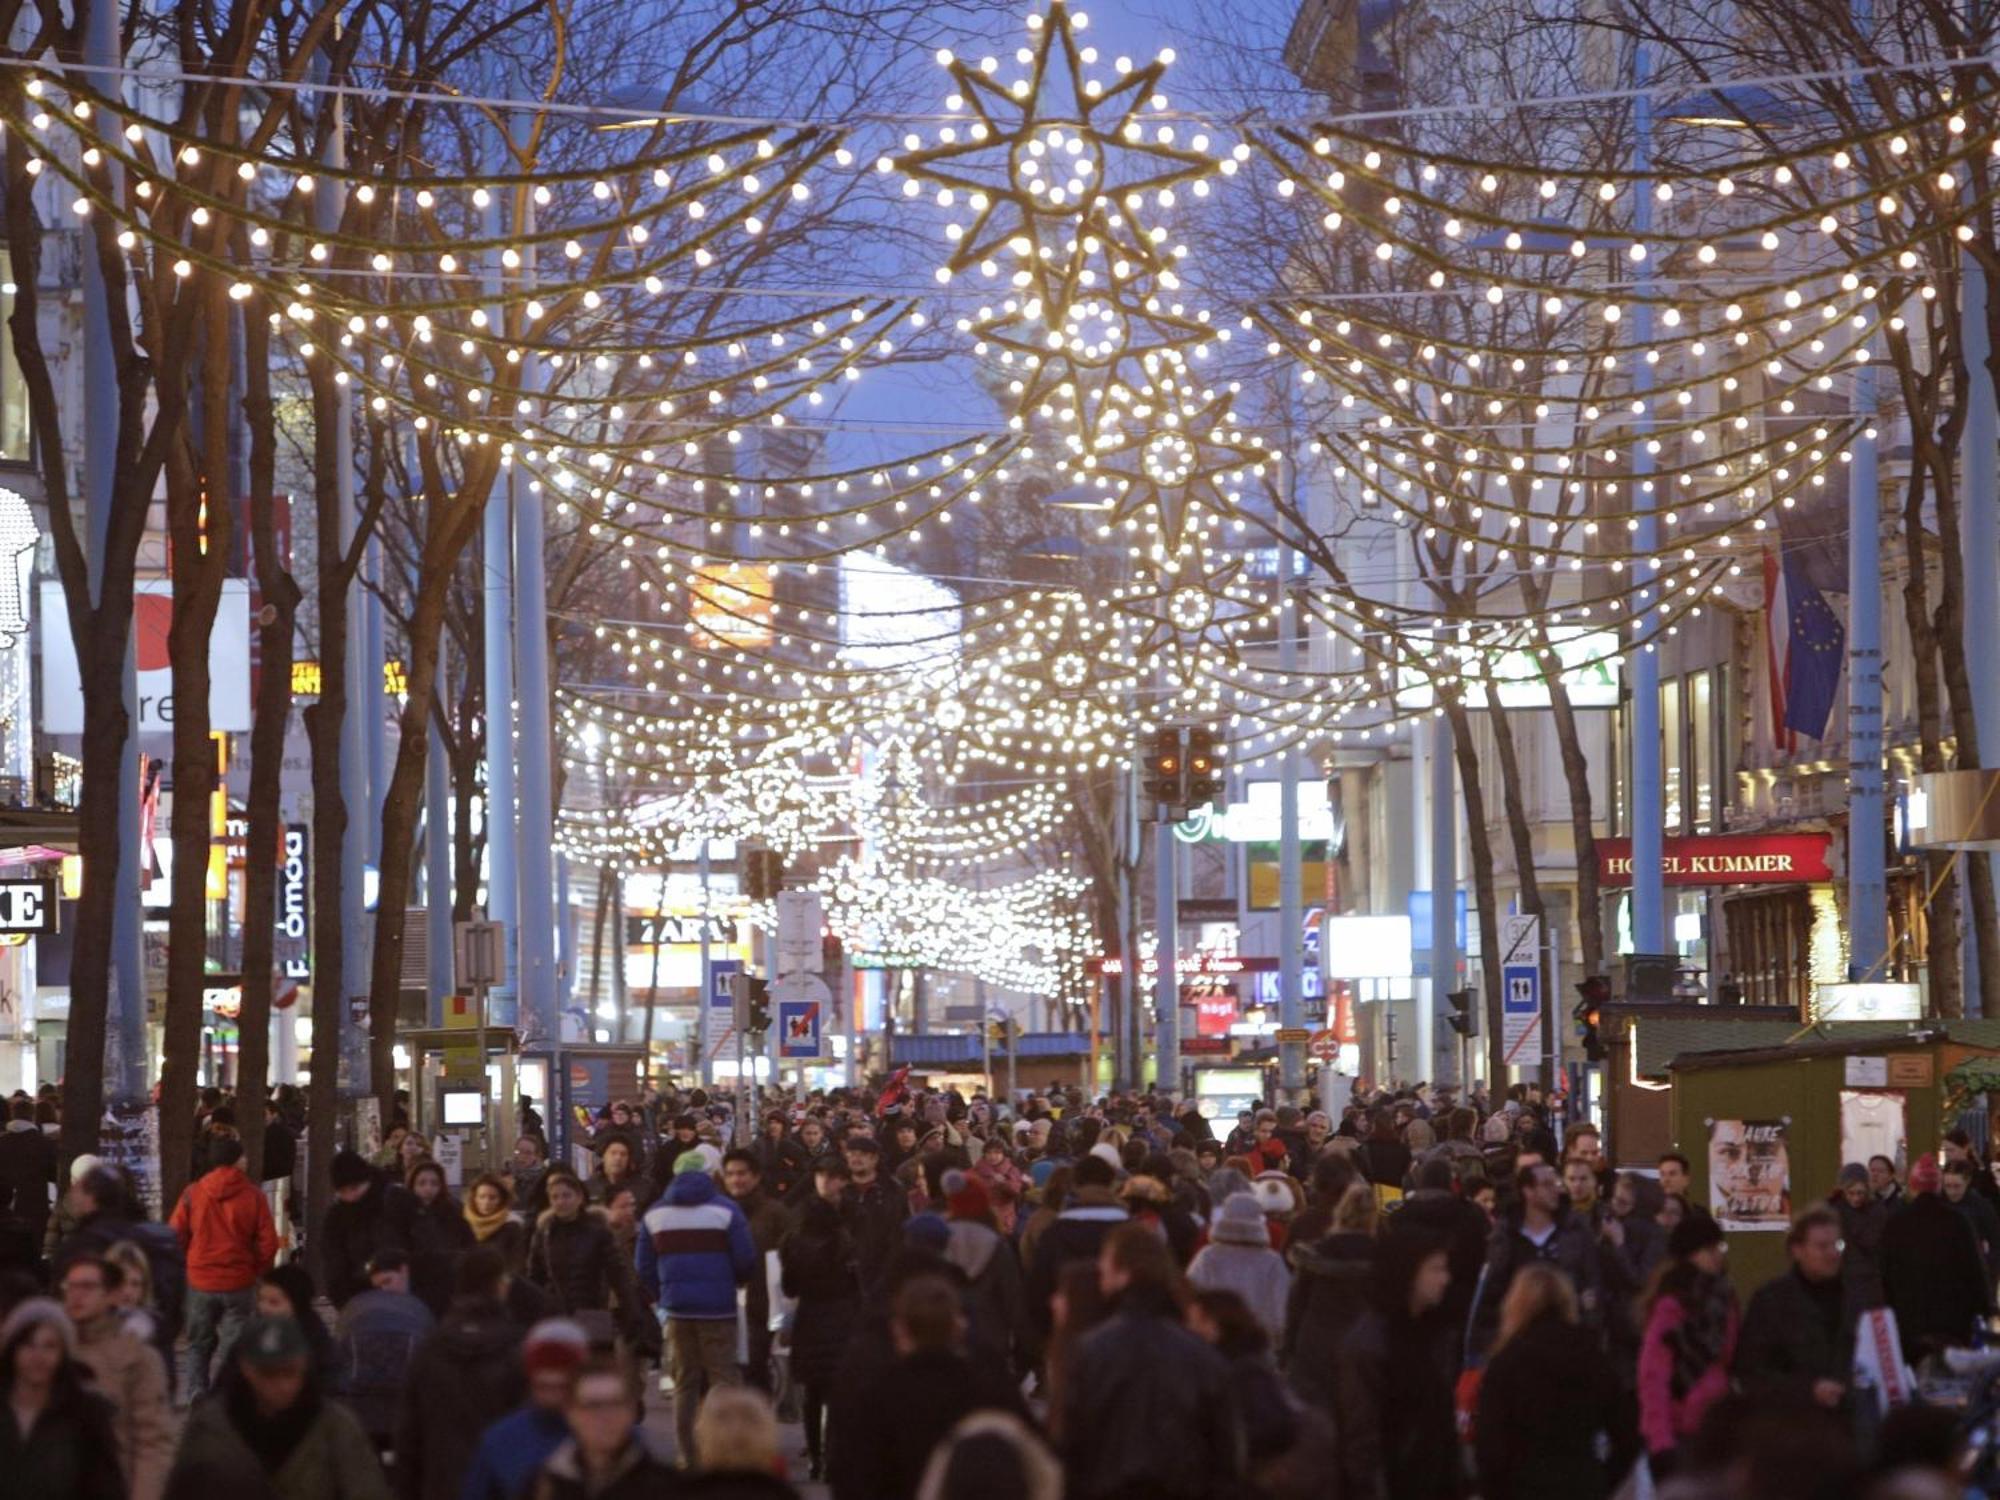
(1804, 642)
(893, 1091)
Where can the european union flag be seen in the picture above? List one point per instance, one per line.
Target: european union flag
(1817, 641)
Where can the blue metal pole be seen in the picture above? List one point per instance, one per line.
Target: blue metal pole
(1444, 900)
(1649, 928)
(496, 535)
(437, 872)
(1979, 512)
(126, 1072)
(374, 694)
(707, 972)
(1291, 902)
(534, 850)
(1867, 881)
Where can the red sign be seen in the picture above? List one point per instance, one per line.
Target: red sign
(1325, 1045)
(1214, 1013)
(1726, 859)
(1205, 1046)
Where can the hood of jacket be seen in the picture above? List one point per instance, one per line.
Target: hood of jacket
(477, 1332)
(1341, 1256)
(691, 1188)
(220, 1185)
(971, 1247)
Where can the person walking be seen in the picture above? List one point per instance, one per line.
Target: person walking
(695, 1250)
(439, 1235)
(996, 1296)
(27, 1171)
(1932, 1273)
(1689, 1341)
(127, 1371)
(1332, 1285)
(1797, 1343)
(268, 1418)
(1148, 1407)
(56, 1437)
(1238, 1258)
(368, 1214)
(1393, 1379)
(875, 1208)
(605, 1455)
(882, 1446)
(574, 1258)
(225, 1228)
(511, 1451)
(489, 1213)
(770, 1221)
(737, 1433)
(1090, 1213)
(1538, 1229)
(375, 1344)
(1862, 1222)
(1549, 1406)
(817, 1267)
(465, 1376)
(1956, 1184)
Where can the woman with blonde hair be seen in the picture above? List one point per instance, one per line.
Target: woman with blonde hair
(1545, 1397)
(736, 1437)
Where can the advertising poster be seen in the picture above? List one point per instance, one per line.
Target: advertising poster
(1749, 1175)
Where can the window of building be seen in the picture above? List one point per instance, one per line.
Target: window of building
(13, 400)
(1701, 749)
(1673, 735)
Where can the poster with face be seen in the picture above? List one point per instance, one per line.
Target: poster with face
(1749, 1175)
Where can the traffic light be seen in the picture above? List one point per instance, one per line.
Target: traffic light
(1204, 767)
(750, 997)
(1464, 1019)
(761, 872)
(1596, 990)
(1164, 768)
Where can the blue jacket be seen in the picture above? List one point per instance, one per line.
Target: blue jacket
(512, 1453)
(695, 1246)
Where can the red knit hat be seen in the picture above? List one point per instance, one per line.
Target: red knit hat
(555, 1344)
(965, 1196)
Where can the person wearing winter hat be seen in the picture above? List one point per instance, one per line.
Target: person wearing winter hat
(1239, 1258)
(512, 1451)
(996, 1293)
(368, 1214)
(1863, 1218)
(695, 1251)
(992, 1455)
(56, 1437)
(1932, 1274)
(1689, 1341)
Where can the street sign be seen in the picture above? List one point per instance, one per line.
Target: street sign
(718, 1016)
(800, 919)
(1325, 1045)
(1520, 985)
(1294, 1033)
(479, 954)
(801, 1018)
(27, 906)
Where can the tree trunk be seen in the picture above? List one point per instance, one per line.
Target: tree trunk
(265, 843)
(329, 820)
(1483, 893)
(1583, 826)
(198, 526)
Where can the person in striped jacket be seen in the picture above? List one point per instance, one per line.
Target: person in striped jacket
(694, 1251)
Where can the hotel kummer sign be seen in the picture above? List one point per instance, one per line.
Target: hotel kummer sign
(1726, 859)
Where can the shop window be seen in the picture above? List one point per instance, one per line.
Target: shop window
(1672, 736)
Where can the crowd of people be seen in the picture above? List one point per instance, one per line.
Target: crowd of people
(1423, 1296)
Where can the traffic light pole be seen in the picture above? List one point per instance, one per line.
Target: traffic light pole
(1167, 993)
(1291, 903)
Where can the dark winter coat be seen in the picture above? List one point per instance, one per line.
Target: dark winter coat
(1148, 1408)
(1571, 1249)
(1075, 1234)
(1932, 1274)
(1861, 1262)
(439, 1238)
(1384, 1163)
(1544, 1399)
(375, 1345)
(69, 1454)
(1985, 1223)
(352, 1232)
(332, 1459)
(1462, 1228)
(27, 1172)
(733, 1484)
(996, 1296)
(281, 1152)
(875, 1216)
(1794, 1333)
(817, 1262)
(1331, 1281)
(640, 1476)
(1393, 1409)
(576, 1261)
(809, 1159)
(880, 1446)
(781, 1165)
(465, 1377)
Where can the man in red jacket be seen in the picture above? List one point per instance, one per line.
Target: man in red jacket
(224, 1224)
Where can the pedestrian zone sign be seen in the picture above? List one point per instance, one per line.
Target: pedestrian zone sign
(1520, 985)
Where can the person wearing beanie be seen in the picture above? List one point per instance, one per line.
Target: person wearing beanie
(511, 1452)
(1932, 1273)
(269, 1418)
(1090, 1212)
(1689, 1341)
(1238, 1258)
(368, 1214)
(695, 1250)
(67, 1450)
(1863, 1218)
(991, 1455)
(996, 1293)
